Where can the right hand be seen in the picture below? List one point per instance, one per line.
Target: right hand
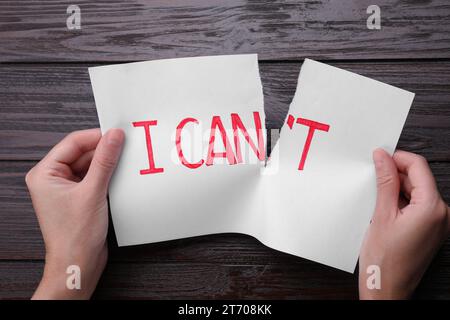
(405, 232)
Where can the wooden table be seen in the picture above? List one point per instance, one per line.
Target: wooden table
(45, 93)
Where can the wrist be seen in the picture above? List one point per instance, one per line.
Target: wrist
(71, 277)
(386, 290)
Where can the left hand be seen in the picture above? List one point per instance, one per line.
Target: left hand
(68, 188)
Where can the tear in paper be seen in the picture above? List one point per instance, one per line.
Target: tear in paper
(315, 205)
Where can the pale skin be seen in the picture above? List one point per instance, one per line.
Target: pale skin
(68, 189)
(410, 223)
(69, 186)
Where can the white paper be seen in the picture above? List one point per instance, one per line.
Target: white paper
(319, 213)
(179, 202)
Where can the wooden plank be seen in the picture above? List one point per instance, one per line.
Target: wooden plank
(40, 103)
(20, 237)
(215, 281)
(193, 281)
(218, 281)
(142, 30)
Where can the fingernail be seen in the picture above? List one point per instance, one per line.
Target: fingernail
(378, 157)
(115, 137)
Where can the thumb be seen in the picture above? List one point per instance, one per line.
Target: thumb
(105, 159)
(388, 184)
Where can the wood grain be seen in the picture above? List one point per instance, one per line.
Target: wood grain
(39, 104)
(45, 93)
(142, 30)
(160, 280)
(193, 281)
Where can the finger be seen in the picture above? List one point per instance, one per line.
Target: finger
(388, 184)
(74, 145)
(105, 160)
(405, 185)
(415, 167)
(81, 165)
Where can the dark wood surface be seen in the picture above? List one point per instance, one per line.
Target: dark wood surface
(140, 30)
(45, 93)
